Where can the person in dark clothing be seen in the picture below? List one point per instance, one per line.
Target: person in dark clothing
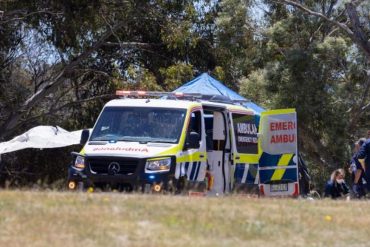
(336, 187)
(357, 171)
(363, 157)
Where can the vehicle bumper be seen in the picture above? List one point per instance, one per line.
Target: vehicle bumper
(135, 181)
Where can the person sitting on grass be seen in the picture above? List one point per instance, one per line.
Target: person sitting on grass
(336, 186)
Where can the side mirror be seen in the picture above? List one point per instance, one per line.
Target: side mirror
(192, 141)
(84, 136)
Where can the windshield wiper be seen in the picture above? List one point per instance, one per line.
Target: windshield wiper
(126, 140)
(162, 141)
(141, 140)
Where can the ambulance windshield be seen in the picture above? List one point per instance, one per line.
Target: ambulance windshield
(139, 124)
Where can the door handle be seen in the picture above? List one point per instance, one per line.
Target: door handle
(237, 158)
(201, 156)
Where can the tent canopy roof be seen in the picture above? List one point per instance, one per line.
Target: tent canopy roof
(206, 84)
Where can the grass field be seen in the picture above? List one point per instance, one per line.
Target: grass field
(111, 219)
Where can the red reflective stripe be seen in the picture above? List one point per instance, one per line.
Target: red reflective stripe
(296, 190)
(262, 190)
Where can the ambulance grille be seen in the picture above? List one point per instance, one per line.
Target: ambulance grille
(101, 166)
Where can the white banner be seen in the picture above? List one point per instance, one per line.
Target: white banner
(279, 133)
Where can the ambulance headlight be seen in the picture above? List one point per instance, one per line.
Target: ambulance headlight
(79, 163)
(158, 165)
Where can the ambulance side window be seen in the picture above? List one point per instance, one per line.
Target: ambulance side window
(245, 131)
(195, 124)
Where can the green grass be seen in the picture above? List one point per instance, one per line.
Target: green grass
(112, 219)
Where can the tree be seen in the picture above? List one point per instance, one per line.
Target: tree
(235, 44)
(92, 48)
(109, 37)
(352, 26)
(309, 65)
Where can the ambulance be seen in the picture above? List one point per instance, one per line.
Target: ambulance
(155, 141)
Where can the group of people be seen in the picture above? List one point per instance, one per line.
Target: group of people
(359, 169)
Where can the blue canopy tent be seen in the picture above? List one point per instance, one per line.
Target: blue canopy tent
(206, 84)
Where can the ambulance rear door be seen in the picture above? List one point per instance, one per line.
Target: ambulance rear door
(244, 149)
(278, 166)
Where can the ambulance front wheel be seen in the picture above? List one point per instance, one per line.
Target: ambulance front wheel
(75, 186)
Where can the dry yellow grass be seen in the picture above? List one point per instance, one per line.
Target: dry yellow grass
(111, 219)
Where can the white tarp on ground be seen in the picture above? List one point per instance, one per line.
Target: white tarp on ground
(42, 137)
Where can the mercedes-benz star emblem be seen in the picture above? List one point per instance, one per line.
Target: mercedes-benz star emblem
(113, 168)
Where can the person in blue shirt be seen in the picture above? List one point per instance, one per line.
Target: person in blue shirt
(363, 157)
(357, 171)
(336, 186)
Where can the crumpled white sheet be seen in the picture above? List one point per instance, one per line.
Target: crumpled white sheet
(42, 137)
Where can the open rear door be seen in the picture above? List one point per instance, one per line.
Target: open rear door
(244, 149)
(278, 163)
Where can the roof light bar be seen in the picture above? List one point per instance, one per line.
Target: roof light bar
(154, 94)
(179, 95)
(122, 93)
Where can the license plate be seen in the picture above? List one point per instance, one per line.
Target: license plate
(278, 187)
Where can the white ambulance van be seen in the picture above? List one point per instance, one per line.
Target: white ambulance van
(176, 141)
(169, 142)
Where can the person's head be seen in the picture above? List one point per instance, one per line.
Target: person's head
(337, 176)
(359, 143)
